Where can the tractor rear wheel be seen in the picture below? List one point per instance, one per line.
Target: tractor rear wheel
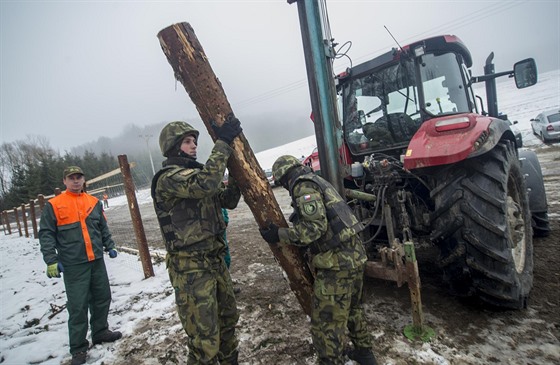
(541, 224)
(484, 225)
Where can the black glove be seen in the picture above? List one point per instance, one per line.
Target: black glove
(229, 130)
(294, 217)
(270, 233)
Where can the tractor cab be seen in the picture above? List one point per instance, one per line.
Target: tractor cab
(387, 99)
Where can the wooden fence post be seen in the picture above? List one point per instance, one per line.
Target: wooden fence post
(41, 199)
(191, 67)
(24, 218)
(33, 217)
(7, 220)
(17, 221)
(136, 217)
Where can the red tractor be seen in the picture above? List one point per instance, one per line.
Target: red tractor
(439, 169)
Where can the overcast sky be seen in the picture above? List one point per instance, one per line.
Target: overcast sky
(73, 71)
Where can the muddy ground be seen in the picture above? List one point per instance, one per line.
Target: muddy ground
(274, 330)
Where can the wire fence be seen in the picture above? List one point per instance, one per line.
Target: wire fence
(128, 208)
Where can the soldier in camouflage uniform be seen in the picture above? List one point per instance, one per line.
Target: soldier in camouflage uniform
(188, 197)
(323, 222)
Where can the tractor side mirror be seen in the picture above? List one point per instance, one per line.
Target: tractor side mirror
(525, 73)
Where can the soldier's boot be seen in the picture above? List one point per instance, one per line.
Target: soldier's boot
(107, 336)
(231, 360)
(362, 355)
(79, 358)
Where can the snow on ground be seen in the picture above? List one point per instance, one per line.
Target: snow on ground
(29, 336)
(28, 297)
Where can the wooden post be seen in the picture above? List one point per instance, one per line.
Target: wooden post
(7, 220)
(17, 221)
(24, 218)
(33, 217)
(41, 199)
(191, 67)
(136, 217)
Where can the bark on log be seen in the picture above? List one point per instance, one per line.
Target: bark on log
(190, 64)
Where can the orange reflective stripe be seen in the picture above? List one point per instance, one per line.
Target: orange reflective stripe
(87, 240)
(89, 204)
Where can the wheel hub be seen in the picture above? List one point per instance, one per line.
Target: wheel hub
(517, 233)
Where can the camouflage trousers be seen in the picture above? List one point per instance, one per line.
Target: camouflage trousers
(337, 307)
(207, 309)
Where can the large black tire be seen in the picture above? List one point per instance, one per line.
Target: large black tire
(484, 225)
(538, 205)
(541, 224)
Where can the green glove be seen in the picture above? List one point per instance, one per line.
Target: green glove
(52, 271)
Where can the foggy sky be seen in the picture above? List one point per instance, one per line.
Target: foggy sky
(76, 71)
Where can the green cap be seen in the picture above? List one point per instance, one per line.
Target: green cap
(70, 170)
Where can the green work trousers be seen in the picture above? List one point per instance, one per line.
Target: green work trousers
(337, 307)
(207, 309)
(87, 287)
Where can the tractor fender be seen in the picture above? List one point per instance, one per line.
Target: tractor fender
(498, 130)
(474, 135)
(531, 169)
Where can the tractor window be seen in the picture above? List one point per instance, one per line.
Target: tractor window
(442, 82)
(381, 109)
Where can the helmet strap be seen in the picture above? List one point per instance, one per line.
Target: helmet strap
(187, 162)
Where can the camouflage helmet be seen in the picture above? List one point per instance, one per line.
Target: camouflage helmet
(172, 134)
(282, 165)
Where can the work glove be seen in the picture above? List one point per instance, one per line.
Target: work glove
(229, 130)
(54, 270)
(294, 217)
(112, 253)
(270, 233)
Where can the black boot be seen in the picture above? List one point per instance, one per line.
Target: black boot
(363, 356)
(231, 360)
(106, 336)
(79, 358)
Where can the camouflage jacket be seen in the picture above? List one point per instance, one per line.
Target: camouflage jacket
(188, 198)
(325, 224)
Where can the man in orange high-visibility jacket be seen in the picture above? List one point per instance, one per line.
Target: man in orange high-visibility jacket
(73, 235)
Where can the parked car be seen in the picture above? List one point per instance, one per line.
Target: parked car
(516, 133)
(269, 176)
(547, 125)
